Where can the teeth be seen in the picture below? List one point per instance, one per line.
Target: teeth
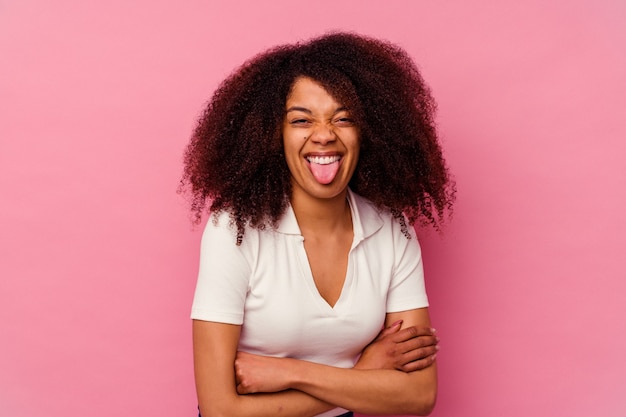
(323, 160)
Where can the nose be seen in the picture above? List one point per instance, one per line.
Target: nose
(323, 134)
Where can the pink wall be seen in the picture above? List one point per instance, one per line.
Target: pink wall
(98, 258)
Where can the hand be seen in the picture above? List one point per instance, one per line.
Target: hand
(407, 350)
(256, 373)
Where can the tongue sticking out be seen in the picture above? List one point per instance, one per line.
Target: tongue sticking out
(324, 173)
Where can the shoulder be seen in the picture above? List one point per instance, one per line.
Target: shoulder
(371, 219)
(220, 235)
(220, 226)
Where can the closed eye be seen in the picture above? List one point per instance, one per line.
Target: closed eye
(344, 121)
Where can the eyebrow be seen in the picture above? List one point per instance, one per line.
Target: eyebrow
(296, 108)
(305, 110)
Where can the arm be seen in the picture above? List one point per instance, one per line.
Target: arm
(408, 350)
(223, 280)
(369, 391)
(214, 348)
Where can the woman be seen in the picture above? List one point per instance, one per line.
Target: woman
(315, 158)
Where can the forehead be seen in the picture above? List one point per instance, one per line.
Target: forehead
(307, 91)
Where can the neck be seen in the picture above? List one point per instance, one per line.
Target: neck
(321, 216)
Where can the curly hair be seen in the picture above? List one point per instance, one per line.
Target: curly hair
(235, 159)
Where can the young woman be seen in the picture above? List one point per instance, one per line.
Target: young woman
(315, 159)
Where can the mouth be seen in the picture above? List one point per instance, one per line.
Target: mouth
(323, 160)
(324, 168)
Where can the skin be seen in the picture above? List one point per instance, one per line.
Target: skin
(368, 391)
(408, 350)
(396, 373)
(317, 125)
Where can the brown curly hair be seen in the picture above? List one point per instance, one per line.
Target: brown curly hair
(235, 157)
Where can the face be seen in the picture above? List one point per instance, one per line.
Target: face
(321, 141)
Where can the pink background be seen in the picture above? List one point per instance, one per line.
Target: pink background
(98, 257)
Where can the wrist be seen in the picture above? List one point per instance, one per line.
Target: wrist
(300, 373)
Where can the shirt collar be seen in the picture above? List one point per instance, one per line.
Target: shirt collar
(366, 219)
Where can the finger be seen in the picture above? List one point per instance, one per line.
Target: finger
(418, 354)
(393, 328)
(242, 389)
(419, 364)
(412, 332)
(417, 343)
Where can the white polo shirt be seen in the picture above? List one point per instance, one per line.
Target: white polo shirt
(266, 285)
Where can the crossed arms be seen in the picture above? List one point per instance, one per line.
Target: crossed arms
(396, 374)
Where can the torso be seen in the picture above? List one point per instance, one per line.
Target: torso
(318, 300)
(328, 260)
(326, 226)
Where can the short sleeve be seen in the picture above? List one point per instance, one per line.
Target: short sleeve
(407, 290)
(223, 274)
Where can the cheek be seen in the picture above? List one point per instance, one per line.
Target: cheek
(292, 143)
(289, 148)
(292, 154)
(356, 145)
